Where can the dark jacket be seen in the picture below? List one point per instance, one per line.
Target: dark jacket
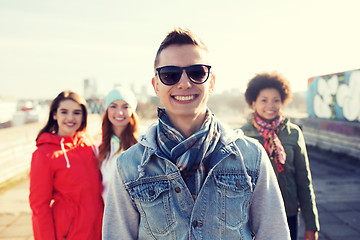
(295, 181)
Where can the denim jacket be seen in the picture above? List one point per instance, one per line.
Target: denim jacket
(239, 199)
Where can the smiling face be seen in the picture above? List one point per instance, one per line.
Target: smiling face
(69, 116)
(183, 99)
(268, 104)
(119, 114)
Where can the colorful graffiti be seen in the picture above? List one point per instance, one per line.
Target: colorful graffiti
(335, 96)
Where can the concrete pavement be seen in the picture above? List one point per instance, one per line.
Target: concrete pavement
(15, 213)
(336, 183)
(336, 180)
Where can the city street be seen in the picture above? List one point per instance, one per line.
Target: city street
(336, 182)
(337, 189)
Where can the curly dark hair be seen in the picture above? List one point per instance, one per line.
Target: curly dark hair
(268, 80)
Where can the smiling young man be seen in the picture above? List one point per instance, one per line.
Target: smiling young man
(190, 177)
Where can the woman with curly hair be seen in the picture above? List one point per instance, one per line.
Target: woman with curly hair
(283, 141)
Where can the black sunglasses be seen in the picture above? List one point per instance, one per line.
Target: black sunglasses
(170, 75)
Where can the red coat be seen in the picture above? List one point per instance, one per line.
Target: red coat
(65, 189)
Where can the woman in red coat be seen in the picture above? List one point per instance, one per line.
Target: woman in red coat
(65, 182)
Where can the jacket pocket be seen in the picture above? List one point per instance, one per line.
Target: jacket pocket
(63, 214)
(233, 195)
(153, 201)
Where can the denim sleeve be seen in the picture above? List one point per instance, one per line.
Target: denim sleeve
(267, 211)
(121, 218)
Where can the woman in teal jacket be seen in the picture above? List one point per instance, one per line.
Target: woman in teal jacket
(283, 141)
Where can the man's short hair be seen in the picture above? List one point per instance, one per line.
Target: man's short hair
(179, 36)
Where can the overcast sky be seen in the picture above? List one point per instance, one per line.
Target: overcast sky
(50, 46)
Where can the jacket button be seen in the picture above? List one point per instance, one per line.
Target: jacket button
(177, 190)
(195, 224)
(238, 185)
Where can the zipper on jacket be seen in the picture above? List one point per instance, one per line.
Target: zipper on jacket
(66, 235)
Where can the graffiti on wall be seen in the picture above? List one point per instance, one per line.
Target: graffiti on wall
(335, 96)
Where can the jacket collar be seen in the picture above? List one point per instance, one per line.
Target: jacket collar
(227, 138)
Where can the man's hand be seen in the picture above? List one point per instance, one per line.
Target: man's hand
(311, 235)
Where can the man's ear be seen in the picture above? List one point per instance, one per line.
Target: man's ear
(212, 84)
(155, 84)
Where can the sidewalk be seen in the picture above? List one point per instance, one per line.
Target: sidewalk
(15, 213)
(336, 184)
(336, 181)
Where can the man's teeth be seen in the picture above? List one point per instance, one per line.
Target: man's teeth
(184, 98)
(119, 118)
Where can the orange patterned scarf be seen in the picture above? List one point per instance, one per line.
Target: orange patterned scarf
(272, 143)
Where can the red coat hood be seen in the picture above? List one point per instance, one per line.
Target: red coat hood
(64, 142)
(49, 138)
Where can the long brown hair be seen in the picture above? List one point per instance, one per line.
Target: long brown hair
(52, 126)
(127, 138)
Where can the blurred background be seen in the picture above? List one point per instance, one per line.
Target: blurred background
(91, 46)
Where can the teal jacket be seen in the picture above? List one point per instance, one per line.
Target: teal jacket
(295, 181)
